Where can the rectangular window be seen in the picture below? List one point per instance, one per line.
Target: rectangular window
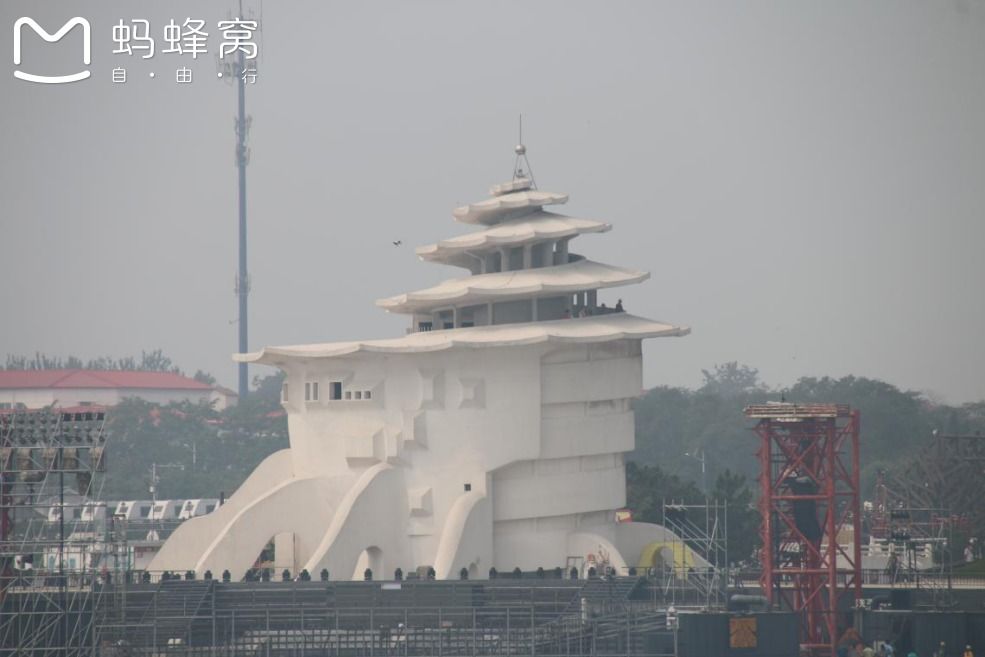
(283, 393)
(359, 394)
(335, 390)
(311, 391)
(348, 394)
(368, 394)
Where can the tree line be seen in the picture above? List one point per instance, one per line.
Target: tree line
(678, 430)
(149, 361)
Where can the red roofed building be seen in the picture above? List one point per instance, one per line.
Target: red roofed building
(40, 388)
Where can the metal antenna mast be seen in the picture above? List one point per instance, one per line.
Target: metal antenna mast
(243, 277)
(236, 69)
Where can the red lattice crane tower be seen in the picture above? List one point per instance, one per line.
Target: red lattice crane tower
(810, 511)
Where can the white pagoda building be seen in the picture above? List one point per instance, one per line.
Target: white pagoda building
(492, 434)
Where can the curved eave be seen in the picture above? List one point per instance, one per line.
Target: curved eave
(532, 228)
(605, 328)
(506, 206)
(524, 283)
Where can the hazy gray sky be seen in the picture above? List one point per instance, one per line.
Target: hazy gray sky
(803, 180)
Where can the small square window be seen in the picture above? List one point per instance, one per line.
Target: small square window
(348, 394)
(468, 487)
(359, 394)
(311, 391)
(368, 394)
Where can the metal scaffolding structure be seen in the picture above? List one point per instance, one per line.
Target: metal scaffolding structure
(548, 616)
(810, 509)
(918, 540)
(948, 473)
(700, 529)
(50, 529)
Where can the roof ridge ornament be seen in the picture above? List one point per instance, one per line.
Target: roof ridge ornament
(521, 159)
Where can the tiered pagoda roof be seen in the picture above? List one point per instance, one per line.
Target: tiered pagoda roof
(524, 286)
(615, 326)
(521, 284)
(535, 227)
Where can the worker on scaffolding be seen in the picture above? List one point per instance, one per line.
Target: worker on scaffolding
(892, 567)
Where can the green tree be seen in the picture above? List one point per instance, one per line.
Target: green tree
(204, 377)
(894, 423)
(732, 380)
(742, 515)
(648, 487)
(215, 451)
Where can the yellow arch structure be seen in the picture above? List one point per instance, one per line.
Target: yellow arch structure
(683, 557)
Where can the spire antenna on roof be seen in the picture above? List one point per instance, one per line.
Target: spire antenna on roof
(521, 159)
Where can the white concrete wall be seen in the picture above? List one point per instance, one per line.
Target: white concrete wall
(586, 426)
(447, 419)
(458, 458)
(462, 417)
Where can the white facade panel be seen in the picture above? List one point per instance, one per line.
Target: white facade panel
(586, 487)
(585, 433)
(593, 380)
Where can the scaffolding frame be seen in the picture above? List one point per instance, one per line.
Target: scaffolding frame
(907, 530)
(377, 619)
(809, 468)
(703, 529)
(947, 477)
(48, 560)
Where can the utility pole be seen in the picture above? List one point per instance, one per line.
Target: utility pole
(700, 456)
(155, 479)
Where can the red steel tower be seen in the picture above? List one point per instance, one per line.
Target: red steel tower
(811, 519)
